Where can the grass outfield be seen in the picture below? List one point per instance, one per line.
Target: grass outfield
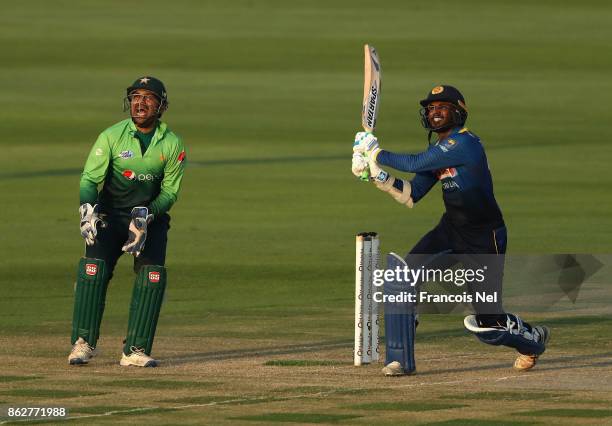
(257, 325)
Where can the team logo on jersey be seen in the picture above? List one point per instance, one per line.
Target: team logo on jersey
(181, 157)
(91, 269)
(99, 152)
(451, 172)
(447, 145)
(154, 276)
(126, 154)
(437, 89)
(129, 174)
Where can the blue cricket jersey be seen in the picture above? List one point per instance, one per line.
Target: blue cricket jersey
(460, 164)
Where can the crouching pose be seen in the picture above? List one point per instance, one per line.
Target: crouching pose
(139, 164)
(471, 224)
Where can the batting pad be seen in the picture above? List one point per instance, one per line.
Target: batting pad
(400, 321)
(90, 294)
(146, 304)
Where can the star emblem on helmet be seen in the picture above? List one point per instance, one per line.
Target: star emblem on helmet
(145, 80)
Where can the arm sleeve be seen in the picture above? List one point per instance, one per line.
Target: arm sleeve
(171, 184)
(95, 170)
(421, 183)
(438, 156)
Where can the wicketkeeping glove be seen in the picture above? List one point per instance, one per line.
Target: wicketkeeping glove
(137, 231)
(90, 220)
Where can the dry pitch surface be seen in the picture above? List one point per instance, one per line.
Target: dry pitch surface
(239, 381)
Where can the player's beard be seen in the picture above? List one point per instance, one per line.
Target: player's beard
(143, 116)
(442, 125)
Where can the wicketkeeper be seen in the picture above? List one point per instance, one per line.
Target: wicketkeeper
(472, 223)
(139, 164)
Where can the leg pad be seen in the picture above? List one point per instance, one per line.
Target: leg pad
(90, 294)
(147, 298)
(400, 321)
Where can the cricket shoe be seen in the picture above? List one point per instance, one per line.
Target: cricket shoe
(394, 368)
(81, 352)
(527, 362)
(137, 358)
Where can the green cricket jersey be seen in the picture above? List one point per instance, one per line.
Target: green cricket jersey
(130, 178)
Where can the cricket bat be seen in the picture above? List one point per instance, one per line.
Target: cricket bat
(371, 94)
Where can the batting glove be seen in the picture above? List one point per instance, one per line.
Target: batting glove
(137, 231)
(359, 164)
(366, 143)
(90, 220)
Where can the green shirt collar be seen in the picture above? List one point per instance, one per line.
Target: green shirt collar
(159, 132)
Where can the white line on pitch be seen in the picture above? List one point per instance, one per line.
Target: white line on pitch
(240, 400)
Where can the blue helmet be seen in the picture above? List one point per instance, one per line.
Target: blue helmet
(444, 93)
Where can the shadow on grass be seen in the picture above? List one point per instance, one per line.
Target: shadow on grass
(569, 412)
(298, 417)
(479, 422)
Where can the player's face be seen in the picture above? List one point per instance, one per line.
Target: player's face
(439, 114)
(144, 107)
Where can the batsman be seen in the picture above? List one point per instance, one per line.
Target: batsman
(472, 223)
(131, 179)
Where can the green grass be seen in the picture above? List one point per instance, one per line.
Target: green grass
(302, 363)
(202, 399)
(298, 417)
(504, 396)
(406, 406)
(50, 393)
(159, 384)
(569, 412)
(6, 379)
(479, 422)
(98, 409)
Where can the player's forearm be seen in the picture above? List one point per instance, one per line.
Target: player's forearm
(397, 188)
(162, 203)
(95, 170)
(171, 185)
(421, 184)
(170, 189)
(88, 192)
(416, 192)
(398, 184)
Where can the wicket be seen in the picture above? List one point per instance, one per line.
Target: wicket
(367, 259)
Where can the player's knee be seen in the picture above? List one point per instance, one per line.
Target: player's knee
(144, 260)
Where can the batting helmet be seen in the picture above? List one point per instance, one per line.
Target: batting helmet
(448, 94)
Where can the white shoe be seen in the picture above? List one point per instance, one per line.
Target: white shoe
(81, 353)
(393, 369)
(138, 358)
